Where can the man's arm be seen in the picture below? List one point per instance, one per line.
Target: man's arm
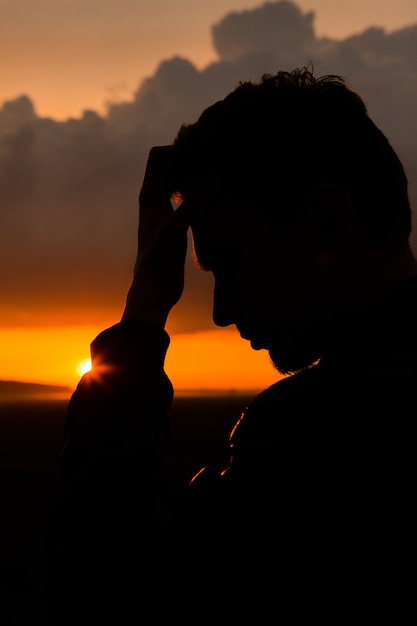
(127, 390)
(158, 278)
(113, 488)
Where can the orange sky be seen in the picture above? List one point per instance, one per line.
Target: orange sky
(219, 359)
(72, 55)
(69, 55)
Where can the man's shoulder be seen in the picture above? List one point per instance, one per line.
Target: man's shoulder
(286, 402)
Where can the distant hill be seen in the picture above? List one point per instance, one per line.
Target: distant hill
(16, 390)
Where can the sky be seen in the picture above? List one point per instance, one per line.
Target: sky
(69, 55)
(87, 87)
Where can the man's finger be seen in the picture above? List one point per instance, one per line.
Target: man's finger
(154, 197)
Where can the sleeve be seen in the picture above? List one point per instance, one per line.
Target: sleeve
(121, 404)
(110, 514)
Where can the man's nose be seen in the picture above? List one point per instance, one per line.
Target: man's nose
(223, 305)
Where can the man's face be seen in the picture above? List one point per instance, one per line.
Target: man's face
(266, 283)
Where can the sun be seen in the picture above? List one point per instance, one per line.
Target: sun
(84, 366)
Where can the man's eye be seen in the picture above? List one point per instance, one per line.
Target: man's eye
(223, 261)
(227, 265)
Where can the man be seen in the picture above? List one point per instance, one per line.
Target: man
(298, 205)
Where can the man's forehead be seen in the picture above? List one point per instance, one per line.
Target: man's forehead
(207, 234)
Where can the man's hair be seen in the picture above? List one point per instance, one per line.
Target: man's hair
(272, 143)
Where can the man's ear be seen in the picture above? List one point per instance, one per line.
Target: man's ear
(331, 210)
(332, 214)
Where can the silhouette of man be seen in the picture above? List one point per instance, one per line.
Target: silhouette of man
(298, 205)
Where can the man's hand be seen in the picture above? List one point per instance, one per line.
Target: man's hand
(158, 279)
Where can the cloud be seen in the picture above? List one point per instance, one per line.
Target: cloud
(278, 27)
(68, 190)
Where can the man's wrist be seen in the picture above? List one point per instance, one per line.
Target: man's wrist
(129, 340)
(141, 309)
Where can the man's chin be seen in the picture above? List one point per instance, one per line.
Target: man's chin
(289, 351)
(288, 362)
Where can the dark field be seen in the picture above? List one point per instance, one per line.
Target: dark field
(30, 441)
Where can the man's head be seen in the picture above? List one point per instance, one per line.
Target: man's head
(281, 138)
(302, 181)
